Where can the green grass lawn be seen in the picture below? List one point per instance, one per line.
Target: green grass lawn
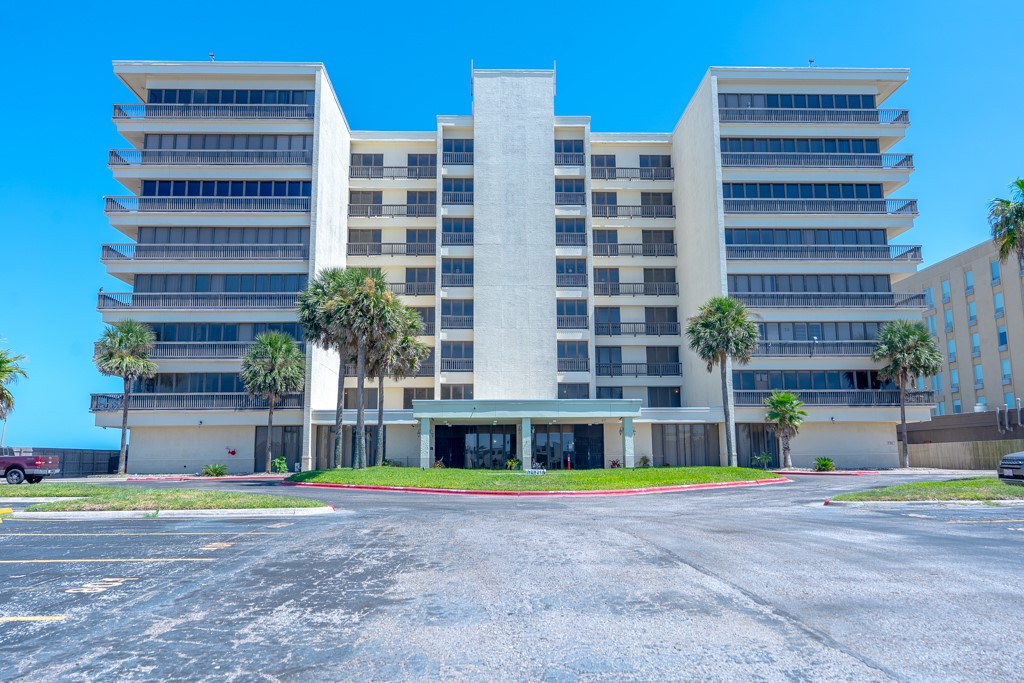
(55, 489)
(559, 480)
(978, 488)
(128, 498)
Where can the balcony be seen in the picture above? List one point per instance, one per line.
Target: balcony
(636, 288)
(624, 173)
(839, 397)
(900, 117)
(573, 365)
(203, 350)
(133, 204)
(210, 157)
(639, 369)
(654, 249)
(121, 301)
(412, 288)
(204, 252)
(570, 198)
(884, 207)
(389, 172)
(456, 279)
(392, 249)
(573, 322)
(213, 111)
(456, 365)
(456, 322)
(636, 329)
(570, 239)
(457, 158)
(392, 210)
(452, 239)
(811, 349)
(569, 158)
(570, 279)
(817, 160)
(425, 370)
(809, 252)
(426, 329)
(457, 198)
(109, 403)
(626, 211)
(831, 300)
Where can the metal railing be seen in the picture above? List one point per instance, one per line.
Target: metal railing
(888, 161)
(188, 350)
(905, 207)
(570, 239)
(639, 369)
(569, 158)
(456, 322)
(392, 210)
(625, 173)
(456, 279)
(107, 403)
(201, 252)
(426, 329)
(838, 397)
(573, 365)
(570, 279)
(815, 252)
(425, 370)
(210, 157)
(457, 158)
(626, 211)
(814, 348)
(573, 322)
(410, 172)
(570, 198)
(652, 249)
(457, 198)
(133, 204)
(456, 365)
(750, 115)
(831, 300)
(636, 288)
(636, 329)
(413, 288)
(213, 111)
(113, 301)
(456, 238)
(392, 248)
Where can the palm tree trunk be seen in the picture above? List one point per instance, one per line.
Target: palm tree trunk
(787, 461)
(122, 461)
(339, 417)
(730, 425)
(379, 460)
(903, 423)
(270, 430)
(359, 458)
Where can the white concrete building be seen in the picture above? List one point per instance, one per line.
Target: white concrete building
(554, 266)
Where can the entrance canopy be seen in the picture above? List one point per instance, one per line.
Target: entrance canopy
(562, 410)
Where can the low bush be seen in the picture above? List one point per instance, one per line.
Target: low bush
(216, 470)
(645, 461)
(824, 465)
(279, 465)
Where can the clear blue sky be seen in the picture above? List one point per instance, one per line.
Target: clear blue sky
(631, 66)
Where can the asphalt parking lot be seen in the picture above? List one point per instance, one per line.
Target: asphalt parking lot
(743, 584)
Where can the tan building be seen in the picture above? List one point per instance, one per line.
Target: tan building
(974, 310)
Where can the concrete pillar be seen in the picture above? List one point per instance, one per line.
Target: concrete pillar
(627, 442)
(526, 443)
(425, 461)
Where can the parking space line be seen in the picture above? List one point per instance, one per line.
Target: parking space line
(217, 546)
(58, 617)
(983, 521)
(158, 533)
(112, 559)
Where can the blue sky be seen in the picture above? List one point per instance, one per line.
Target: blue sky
(395, 65)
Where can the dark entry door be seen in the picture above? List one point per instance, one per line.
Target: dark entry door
(450, 445)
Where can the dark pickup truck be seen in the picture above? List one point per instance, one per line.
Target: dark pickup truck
(19, 465)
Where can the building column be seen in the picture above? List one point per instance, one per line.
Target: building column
(425, 462)
(526, 443)
(627, 442)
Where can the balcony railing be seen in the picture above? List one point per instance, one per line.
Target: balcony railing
(410, 172)
(639, 369)
(392, 210)
(456, 322)
(750, 115)
(636, 288)
(426, 329)
(451, 239)
(659, 249)
(210, 157)
(573, 365)
(456, 365)
(202, 350)
(569, 158)
(457, 198)
(636, 329)
(570, 279)
(425, 370)
(413, 288)
(817, 160)
(890, 207)
(133, 204)
(392, 249)
(622, 173)
(205, 252)
(457, 158)
(839, 397)
(570, 198)
(626, 211)
(115, 301)
(892, 252)
(570, 239)
(831, 300)
(573, 322)
(814, 348)
(108, 403)
(213, 111)
(456, 279)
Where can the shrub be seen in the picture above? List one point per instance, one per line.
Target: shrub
(761, 460)
(389, 463)
(217, 470)
(512, 464)
(616, 464)
(438, 464)
(645, 461)
(279, 465)
(824, 465)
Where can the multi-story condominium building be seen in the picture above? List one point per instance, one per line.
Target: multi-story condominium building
(553, 266)
(975, 308)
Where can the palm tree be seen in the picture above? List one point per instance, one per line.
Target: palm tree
(908, 351)
(1006, 216)
(123, 351)
(372, 308)
(785, 415)
(272, 367)
(10, 371)
(722, 330)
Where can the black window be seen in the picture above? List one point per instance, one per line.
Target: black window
(456, 392)
(571, 306)
(664, 397)
(655, 161)
(568, 146)
(416, 394)
(572, 349)
(575, 391)
(609, 392)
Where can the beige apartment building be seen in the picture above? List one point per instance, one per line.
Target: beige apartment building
(553, 265)
(975, 309)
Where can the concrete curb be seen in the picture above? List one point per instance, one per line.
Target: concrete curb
(175, 514)
(923, 503)
(538, 494)
(261, 477)
(841, 473)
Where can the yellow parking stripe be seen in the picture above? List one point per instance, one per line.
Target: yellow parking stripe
(60, 617)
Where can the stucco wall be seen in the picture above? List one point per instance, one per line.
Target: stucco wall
(849, 444)
(161, 450)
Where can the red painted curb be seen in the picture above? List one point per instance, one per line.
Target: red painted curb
(850, 473)
(265, 477)
(598, 492)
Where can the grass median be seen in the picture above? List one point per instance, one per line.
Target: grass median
(91, 497)
(55, 490)
(975, 488)
(553, 480)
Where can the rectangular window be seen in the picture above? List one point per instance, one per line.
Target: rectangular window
(972, 312)
(957, 409)
(979, 374)
(462, 350)
(929, 297)
(969, 281)
(945, 291)
(664, 397)
(416, 394)
(369, 394)
(951, 348)
(949, 321)
(655, 161)
(1004, 366)
(997, 299)
(456, 392)
(1001, 333)
(568, 146)
(994, 269)
(573, 390)
(931, 324)
(609, 392)
(954, 380)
